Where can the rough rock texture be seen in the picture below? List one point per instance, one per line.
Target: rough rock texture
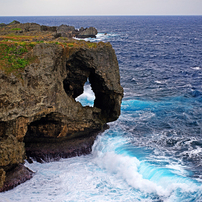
(86, 33)
(2, 177)
(15, 177)
(62, 30)
(65, 30)
(39, 113)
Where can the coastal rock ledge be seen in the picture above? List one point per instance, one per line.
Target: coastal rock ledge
(39, 117)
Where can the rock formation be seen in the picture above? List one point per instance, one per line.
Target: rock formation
(39, 117)
(62, 30)
(86, 33)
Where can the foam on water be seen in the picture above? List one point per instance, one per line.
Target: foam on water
(100, 37)
(110, 173)
(196, 68)
(123, 166)
(87, 97)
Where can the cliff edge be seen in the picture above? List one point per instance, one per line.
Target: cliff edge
(39, 81)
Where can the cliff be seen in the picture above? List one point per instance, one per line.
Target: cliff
(39, 81)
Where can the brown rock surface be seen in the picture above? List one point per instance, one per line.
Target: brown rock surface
(39, 116)
(86, 33)
(15, 177)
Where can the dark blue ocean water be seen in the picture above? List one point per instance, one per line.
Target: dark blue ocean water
(153, 152)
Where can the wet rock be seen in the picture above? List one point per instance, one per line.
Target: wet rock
(2, 177)
(15, 177)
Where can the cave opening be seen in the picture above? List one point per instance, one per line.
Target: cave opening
(87, 98)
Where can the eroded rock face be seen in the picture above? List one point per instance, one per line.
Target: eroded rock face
(86, 33)
(39, 114)
(57, 31)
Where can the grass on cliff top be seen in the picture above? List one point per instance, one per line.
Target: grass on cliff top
(12, 56)
(13, 49)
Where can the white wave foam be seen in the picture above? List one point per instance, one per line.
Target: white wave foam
(193, 152)
(87, 97)
(141, 176)
(196, 68)
(126, 167)
(110, 173)
(99, 37)
(158, 82)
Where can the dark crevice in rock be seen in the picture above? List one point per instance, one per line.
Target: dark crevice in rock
(46, 127)
(76, 78)
(74, 87)
(49, 149)
(2, 128)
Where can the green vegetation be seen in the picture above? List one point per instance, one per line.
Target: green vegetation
(16, 29)
(13, 48)
(11, 56)
(31, 45)
(92, 45)
(70, 45)
(40, 41)
(14, 22)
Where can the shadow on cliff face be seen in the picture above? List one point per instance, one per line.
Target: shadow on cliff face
(50, 139)
(56, 135)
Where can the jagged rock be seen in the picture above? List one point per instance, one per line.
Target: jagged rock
(15, 177)
(86, 33)
(2, 177)
(2, 24)
(39, 114)
(70, 31)
(47, 28)
(29, 27)
(14, 22)
(62, 30)
(66, 31)
(66, 28)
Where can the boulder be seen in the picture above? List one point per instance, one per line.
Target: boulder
(86, 33)
(15, 177)
(49, 29)
(66, 31)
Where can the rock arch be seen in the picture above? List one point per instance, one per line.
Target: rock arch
(40, 114)
(101, 67)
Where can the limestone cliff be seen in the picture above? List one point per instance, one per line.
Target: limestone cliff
(39, 116)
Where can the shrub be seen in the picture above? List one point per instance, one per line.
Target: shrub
(16, 29)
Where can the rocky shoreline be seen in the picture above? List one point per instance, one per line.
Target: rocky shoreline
(58, 31)
(42, 70)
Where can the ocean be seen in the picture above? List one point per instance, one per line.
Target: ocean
(153, 152)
